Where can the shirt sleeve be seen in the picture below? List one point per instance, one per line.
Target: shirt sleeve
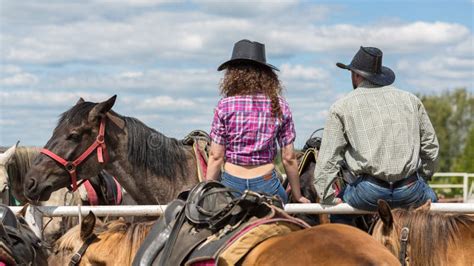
(429, 146)
(332, 148)
(218, 133)
(286, 134)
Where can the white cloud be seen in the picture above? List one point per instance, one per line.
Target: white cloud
(159, 35)
(301, 72)
(438, 73)
(11, 75)
(34, 99)
(166, 102)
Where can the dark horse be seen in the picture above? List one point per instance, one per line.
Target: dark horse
(153, 168)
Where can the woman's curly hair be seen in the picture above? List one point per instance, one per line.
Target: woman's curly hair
(250, 79)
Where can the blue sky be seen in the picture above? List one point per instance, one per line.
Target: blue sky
(160, 57)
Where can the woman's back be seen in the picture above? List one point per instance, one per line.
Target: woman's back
(246, 125)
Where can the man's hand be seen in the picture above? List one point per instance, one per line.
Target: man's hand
(333, 201)
(303, 200)
(337, 201)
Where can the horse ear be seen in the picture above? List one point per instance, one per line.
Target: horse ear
(23, 210)
(8, 154)
(87, 226)
(425, 207)
(101, 109)
(385, 214)
(81, 100)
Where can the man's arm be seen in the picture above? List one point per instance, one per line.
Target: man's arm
(429, 146)
(330, 154)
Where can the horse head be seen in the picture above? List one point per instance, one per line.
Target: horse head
(74, 149)
(5, 158)
(71, 242)
(423, 237)
(92, 239)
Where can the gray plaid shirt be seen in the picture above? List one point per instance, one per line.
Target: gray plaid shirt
(379, 131)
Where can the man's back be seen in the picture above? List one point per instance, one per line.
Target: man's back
(382, 127)
(385, 137)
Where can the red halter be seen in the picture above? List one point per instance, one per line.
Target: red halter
(71, 166)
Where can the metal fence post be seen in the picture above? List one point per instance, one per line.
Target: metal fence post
(34, 218)
(465, 189)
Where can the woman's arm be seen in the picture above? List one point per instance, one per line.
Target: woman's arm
(216, 160)
(290, 164)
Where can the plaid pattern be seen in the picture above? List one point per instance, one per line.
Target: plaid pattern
(379, 131)
(249, 131)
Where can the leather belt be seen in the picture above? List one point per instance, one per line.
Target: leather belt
(392, 185)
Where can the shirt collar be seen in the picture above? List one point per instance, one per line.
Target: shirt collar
(368, 84)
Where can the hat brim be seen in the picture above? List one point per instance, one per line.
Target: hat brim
(384, 78)
(240, 60)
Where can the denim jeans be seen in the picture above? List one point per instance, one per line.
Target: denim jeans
(271, 186)
(363, 195)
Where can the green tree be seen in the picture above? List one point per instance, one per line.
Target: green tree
(452, 116)
(465, 161)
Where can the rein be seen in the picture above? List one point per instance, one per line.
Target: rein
(76, 258)
(404, 233)
(402, 256)
(71, 166)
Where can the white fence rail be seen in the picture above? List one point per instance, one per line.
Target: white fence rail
(466, 191)
(156, 210)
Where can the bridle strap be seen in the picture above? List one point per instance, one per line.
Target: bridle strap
(403, 245)
(76, 258)
(71, 166)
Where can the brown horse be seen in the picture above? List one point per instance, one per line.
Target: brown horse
(431, 238)
(328, 244)
(321, 245)
(150, 166)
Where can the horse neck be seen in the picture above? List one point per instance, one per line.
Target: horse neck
(152, 168)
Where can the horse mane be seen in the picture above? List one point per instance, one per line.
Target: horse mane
(20, 164)
(147, 148)
(431, 233)
(121, 237)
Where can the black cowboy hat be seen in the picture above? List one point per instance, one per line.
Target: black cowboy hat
(368, 63)
(247, 51)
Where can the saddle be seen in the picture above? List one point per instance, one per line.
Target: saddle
(7, 217)
(200, 142)
(204, 225)
(108, 188)
(16, 242)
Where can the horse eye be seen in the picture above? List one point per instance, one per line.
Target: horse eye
(74, 137)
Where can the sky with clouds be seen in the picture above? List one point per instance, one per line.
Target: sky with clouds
(160, 57)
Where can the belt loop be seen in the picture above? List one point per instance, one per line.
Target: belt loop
(247, 181)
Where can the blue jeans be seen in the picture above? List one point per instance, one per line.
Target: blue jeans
(363, 195)
(271, 186)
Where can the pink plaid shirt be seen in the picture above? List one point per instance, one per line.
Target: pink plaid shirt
(248, 130)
